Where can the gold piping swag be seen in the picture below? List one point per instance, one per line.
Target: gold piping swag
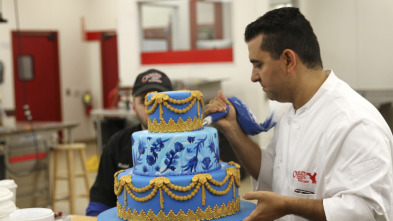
(199, 181)
(159, 99)
(217, 212)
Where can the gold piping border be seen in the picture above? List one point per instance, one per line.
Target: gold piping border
(225, 210)
(172, 126)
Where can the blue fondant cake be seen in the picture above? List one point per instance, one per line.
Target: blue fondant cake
(177, 174)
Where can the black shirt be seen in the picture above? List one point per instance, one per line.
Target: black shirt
(116, 156)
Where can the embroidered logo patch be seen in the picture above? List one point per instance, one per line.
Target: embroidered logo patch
(305, 177)
(152, 77)
(123, 166)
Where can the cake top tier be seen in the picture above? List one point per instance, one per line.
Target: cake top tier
(174, 111)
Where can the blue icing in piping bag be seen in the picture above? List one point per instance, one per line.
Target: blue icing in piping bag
(247, 119)
(215, 116)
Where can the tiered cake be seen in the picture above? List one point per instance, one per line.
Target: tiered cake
(177, 174)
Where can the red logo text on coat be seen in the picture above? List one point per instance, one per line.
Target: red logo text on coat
(305, 177)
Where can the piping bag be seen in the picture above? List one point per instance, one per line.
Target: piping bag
(246, 119)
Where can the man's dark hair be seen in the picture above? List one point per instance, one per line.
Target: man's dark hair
(286, 28)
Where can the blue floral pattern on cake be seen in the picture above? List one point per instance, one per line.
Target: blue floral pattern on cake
(214, 150)
(156, 147)
(171, 157)
(191, 139)
(141, 151)
(175, 153)
(206, 163)
(192, 164)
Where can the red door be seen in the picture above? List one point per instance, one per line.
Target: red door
(36, 77)
(110, 70)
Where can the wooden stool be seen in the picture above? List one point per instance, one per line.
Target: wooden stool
(69, 148)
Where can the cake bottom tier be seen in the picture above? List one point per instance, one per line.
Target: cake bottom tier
(245, 209)
(190, 197)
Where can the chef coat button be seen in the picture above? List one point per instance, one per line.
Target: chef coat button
(297, 127)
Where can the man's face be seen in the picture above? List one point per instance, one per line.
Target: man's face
(270, 73)
(140, 110)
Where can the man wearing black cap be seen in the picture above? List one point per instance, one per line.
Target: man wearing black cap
(117, 152)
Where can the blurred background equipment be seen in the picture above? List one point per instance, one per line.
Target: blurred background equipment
(1, 72)
(3, 20)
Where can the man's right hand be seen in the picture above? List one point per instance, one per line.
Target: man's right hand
(219, 104)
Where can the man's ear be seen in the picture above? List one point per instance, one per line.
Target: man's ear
(132, 102)
(289, 57)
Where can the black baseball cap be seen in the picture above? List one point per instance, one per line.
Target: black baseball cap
(151, 79)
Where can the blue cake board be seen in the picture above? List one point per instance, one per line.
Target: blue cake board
(245, 209)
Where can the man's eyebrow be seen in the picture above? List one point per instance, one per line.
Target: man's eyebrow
(254, 61)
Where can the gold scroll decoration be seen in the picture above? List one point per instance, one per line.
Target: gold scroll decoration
(157, 100)
(160, 184)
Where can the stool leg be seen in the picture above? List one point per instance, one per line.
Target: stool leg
(71, 183)
(54, 181)
(35, 184)
(84, 168)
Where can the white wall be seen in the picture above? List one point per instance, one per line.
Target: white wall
(355, 38)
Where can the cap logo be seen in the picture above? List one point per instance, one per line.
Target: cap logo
(152, 77)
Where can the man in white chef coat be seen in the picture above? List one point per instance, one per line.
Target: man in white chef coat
(330, 157)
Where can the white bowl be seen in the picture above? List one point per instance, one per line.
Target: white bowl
(33, 214)
(5, 218)
(5, 194)
(6, 204)
(11, 185)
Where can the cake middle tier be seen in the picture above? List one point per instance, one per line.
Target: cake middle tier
(156, 154)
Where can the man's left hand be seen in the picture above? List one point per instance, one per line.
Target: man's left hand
(270, 206)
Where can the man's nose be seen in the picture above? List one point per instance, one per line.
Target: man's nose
(255, 77)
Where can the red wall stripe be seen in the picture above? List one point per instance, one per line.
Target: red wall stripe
(191, 56)
(27, 157)
(92, 36)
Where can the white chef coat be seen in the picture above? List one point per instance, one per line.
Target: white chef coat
(338, 148)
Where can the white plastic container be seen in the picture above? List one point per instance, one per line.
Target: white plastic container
(6, 204)
(33, 214)
(11, 185)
